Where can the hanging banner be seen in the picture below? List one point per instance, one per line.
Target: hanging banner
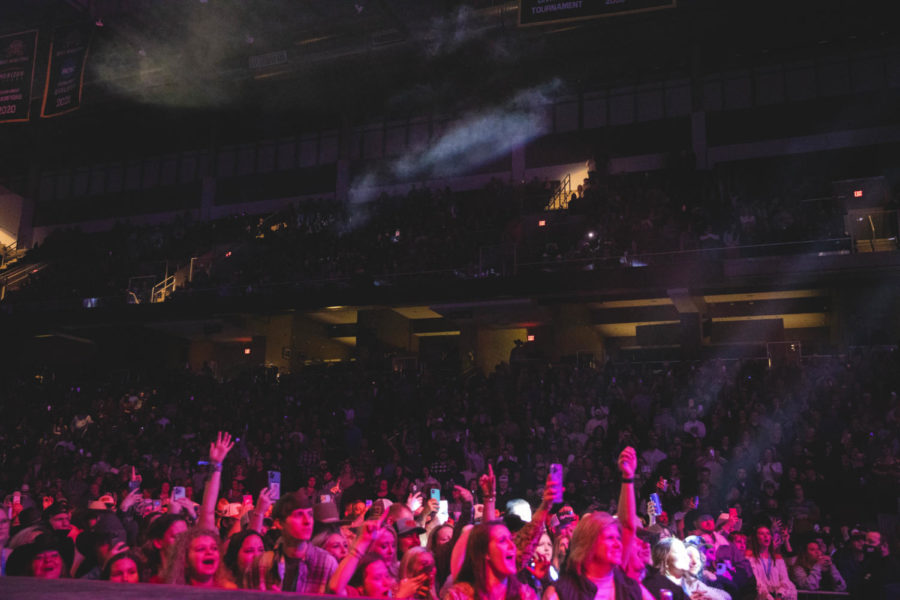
(17, 53)
(65, 73)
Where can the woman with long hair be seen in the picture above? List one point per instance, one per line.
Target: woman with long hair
(769, 569)
(672, 564)
(161, 535)
(697, 577)
(594, 564)
(194, 559)
(489, 569)
(242, 549)
(122, 568)
(814, 570)
(418, 565)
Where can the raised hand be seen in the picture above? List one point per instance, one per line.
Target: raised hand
(628, 462)
(130, 499)
(414, 501)
(264, 501)
(219, 449)
(551, 491)
(488, 483)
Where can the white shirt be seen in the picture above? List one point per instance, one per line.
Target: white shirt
(606, 587)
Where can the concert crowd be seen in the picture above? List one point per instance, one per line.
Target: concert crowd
(708, 479)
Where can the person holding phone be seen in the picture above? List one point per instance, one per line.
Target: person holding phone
(295, 565)
(598, 548)
(813, 570)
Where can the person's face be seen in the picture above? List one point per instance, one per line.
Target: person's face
(708, 525)
(423, 563)
(383, 486)
(695, 563)
(337, 546)
(311, 483)
(740, 542)
(813, 550)
(443, 536)
(644, 552)
(299, 524)
(47, 565)
(250, 549)
(501, 555)
(409, 541)
(608, 547)
(873, 538)
(385, 546)
(763, 537)
(172, 532)
(124, 570)
(203, 556)
(377, 581)
(678, 561)
(61, 522)
(544, 550)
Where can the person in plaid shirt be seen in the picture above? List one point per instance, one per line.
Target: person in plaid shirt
(295, 565)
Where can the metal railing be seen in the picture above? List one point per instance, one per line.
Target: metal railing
(560, 199)
(162, 289)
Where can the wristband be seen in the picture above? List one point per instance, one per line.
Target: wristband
(215, 466)
(628, 480)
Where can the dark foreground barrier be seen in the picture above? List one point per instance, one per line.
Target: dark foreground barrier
(803, 595)
(28, 588)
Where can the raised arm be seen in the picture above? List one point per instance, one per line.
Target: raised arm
(627, 510)
(263, 502)
(527, 537)
(488, 484)
(337, 584)
(218, 450)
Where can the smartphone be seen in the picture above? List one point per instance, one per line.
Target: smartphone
(157, 504)
(721, 569)
(323, 498)
(247, 500)
(275, 485)
(133, 485)
(368, 504)
(436, 494)
(178, 492)
(443, 511)
(556, 472)
(657, 504)
(696, 501)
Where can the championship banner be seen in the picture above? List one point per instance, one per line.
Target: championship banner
(65, 73)
(17, 53)
(537, 12)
